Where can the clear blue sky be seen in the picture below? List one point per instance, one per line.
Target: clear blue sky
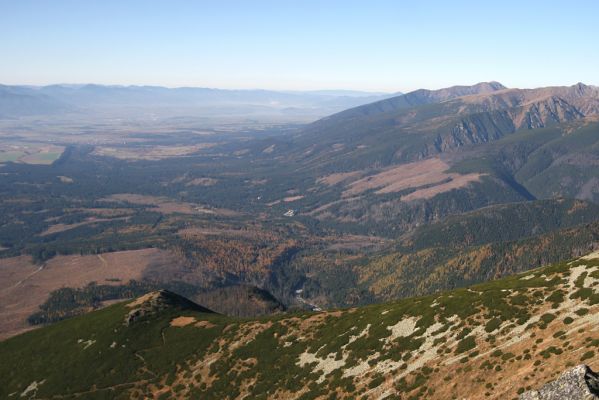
(303, 44)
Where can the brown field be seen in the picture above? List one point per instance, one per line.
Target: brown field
(25, 286)
(150, 152)
(165, 205)
(431, 172)
(42, 154)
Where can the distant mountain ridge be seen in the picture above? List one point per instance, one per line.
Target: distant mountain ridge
(422, 97)
(20, 101)
(423, 123)
(17, 101)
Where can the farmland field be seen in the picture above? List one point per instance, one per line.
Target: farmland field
(40, 154)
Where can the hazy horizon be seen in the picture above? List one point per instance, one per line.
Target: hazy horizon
(381, 46)
(283, 90)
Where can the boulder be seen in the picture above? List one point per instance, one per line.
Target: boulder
(578, 383)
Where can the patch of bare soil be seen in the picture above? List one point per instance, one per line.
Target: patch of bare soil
(24, 286)
(182, 321)
(292, 198)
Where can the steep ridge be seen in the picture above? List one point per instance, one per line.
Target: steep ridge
(357, 186)
(419, 97)
(415, 130)
(494, 340)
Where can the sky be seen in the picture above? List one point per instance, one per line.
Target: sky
(372, 45)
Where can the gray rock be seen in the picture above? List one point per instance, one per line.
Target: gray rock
(578, 383)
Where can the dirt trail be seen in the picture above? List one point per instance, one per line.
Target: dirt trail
(104, 263)
(19, 283)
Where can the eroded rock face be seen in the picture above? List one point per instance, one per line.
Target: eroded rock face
(578, 383)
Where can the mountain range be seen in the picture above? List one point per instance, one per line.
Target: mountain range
(135, 101)
(410, 157)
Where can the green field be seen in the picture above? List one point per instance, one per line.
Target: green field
(11, 156)
(41, 158)
(36, 154)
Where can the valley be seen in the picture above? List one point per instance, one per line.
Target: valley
(348, 220)
(393, 249)
(299, 200)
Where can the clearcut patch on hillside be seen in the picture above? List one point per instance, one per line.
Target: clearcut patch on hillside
(429, 177)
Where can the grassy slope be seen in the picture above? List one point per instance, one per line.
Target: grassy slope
(488, 341)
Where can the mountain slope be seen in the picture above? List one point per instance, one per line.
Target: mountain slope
(541, 163)
(392, 131)
(20, 101)
(493, 340)
(419, 97)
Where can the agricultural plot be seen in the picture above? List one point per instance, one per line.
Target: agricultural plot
(30, 154)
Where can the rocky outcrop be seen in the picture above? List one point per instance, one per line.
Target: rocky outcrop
(578, 383)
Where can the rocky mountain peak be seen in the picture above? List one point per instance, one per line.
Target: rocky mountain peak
(492, 85)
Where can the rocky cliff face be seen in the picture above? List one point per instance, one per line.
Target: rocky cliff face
(492, 118)
(578, 383)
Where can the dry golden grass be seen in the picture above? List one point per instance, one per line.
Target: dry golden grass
(25, 286)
